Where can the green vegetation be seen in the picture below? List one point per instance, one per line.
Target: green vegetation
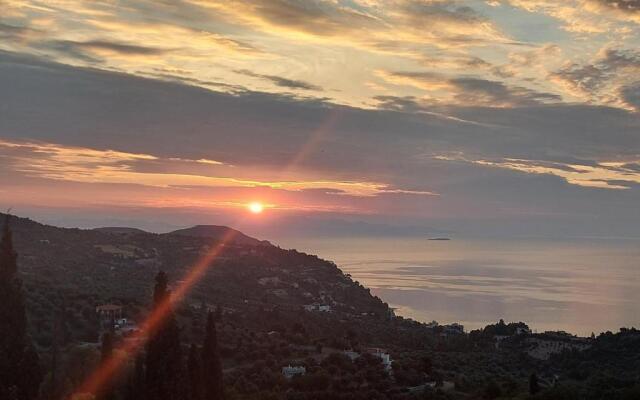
(245, 320)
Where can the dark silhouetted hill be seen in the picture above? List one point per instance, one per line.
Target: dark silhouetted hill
(218, 232)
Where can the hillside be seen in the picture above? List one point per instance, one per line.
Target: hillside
(85, 268)
(279, 307)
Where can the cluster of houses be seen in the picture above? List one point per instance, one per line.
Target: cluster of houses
(446, 330)
(110, 317)
(519, 331)
(291, 371)
(374, 351)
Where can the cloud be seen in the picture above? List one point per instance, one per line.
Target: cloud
(86, 165)
(94, 51)
(602, 174)
(585, 17)
(392, 26)
(601, 79)
(113, 47)
(630, 6)
(631, 95)
(272, 139)
(13, 32)
(280, 81)
(482, 91)
(624, 9)
(469, 90)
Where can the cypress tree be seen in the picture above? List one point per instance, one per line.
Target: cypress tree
(194, 371)
(164, 378)
(534, 385)
(106, 352)
(211, 364)
(135, 386)
(20, 374)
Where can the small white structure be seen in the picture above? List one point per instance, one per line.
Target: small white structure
(289, 372)
(317, 307)
(523, 331)
(351, 354)
(383, 355)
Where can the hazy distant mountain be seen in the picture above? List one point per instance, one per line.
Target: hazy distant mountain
(120, 230)
(218, 232)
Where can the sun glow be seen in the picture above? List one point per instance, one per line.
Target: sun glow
(255, 207)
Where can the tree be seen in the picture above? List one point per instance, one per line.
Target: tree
(164, 377)
(211, 365)
(20, 373)
(492, 390)
(534, 385)
(106, 352)
(195, 373)
(135, 386)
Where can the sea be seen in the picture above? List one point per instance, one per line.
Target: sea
(581, 285)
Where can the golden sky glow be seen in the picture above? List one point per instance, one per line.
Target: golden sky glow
(411, 109)
(347, 51)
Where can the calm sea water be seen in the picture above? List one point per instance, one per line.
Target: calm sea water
(581, 285)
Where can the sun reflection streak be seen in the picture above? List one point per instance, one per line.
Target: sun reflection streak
(108, 369)
(317, 136)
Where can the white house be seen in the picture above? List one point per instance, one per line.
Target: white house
(351, 354)
(383, 355)
(289, 371)
(317, 307)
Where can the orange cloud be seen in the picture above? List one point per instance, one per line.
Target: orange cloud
(77, 164)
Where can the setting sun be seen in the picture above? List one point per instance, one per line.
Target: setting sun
(255, 207)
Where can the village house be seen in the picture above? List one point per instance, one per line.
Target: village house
(383, 355)
(109, 312)
(317, 307)
(289, 372)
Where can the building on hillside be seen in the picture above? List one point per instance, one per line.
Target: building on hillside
(317, 307)
(353, 355)
(453, 329)
(109, 312)
(383, 355)
(289, 372)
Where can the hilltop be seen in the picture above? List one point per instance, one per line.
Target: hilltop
(120, 230)
(217, 232)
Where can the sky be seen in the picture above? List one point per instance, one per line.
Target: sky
(416, 117)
